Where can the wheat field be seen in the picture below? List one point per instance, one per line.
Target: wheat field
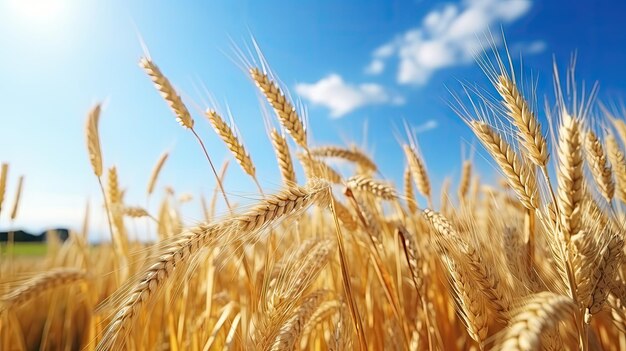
(342, 261)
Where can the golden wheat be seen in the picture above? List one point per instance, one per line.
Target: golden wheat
(286, 113)
(232, 142)
(156, 171)
(93, 140)
(283, 155)
(343, 262)
(352, 155)
(529, 129)
(168, 92)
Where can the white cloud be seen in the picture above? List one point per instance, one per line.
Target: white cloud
(426, 126)
(533, 47)
(375, 67)
(448, 36)
(342, 97)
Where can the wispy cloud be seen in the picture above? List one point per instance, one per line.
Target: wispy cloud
(342, 97)
(425, 127)
(528, 48)
(449, 36)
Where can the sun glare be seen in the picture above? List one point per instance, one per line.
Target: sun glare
(39, 12)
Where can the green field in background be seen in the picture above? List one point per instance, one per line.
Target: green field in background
(26, 249)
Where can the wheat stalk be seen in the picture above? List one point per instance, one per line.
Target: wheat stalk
(187, 244)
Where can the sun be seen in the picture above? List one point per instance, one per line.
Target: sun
(39, 12)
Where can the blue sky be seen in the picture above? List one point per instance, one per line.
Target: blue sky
(353, 64)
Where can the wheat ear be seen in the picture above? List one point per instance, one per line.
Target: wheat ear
(418, 170)
(489, 283)
(283, 155)
(618, 163)
(4, 176)
(114, 193)
(325, 310)
(93, 140)
(584, 256)
(414, 259)
(290, 332)
(168, 92)
(439, 223)
(344, 215)
(605, 273)
(376, 188)
(40, 283)
(540, 313)
(18, 196)
(136, 212)
(620, 126)
(570, 176)
(299, 274)
(600, 167)
(95, 155)
(519, 175)
(232, 142)
(290, 284)
(187, 244)
(472, 308)
(464, 183)
(529, 129)
(352, 155)
(314, 168)
(292, 199)
(285, 111)
(156, 171)
(470, 261)
(408, 191)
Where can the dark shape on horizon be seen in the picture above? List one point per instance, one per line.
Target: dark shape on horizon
(22, 236)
